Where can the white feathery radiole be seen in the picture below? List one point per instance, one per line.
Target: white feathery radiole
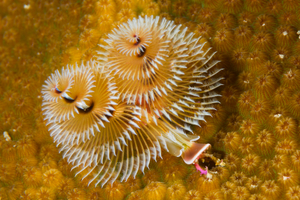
(174, 68)
(70, 100)
(123, 147)
(91, 112)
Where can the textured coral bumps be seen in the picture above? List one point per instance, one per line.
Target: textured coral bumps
(152, 81)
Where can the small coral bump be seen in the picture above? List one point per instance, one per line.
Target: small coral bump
(88, 5)
(229, 97)
(260, 110)
(255, 60)
(89, 38)
(78, 194)
(286, 127)
(193, 195)
(151, 176)
(266, 171)
(88, 55)
(29, 194)
(296, 160)
(280, 161)
(9, 152)
(180, 7)
(155, 190)
(213, 195)
(264, 143)
(218, 140)
(289, 18)
(232, 162)
(206, 130)
(165, 15)
(234, 122)
(281, 54)
(212, 4)
(294, 60)
(14, 190)
(204, 30)
(26, 163)
(226, 20)
(293, 193)
(52, 178)
(251, 163)
(240, 193)
(151, 9)
(136, 195)
(294, 105)
(208, 183)
(291, 5)
(193, 11)
(271, 68)
(264, 86)
(191, 181)
(286, 146)
(87, 21)
(282, 96)
(246, 18)
(164, 4)
(270, 189)
(238, 178)
(23, 105)
(288, 178)
(249, 127)
(243, 35)
(285, 36)
(238, 58)
(105, 7)
(132, 184)
(221, 172)
(45, 193)
(247, 145)
(232, 141)
(26, 147)
(263, 41)
(227, 189)
(232, 6)
(115, 191)
(223, 40)
(245, 80)
(46, 164)
(265, 22)
(176, 191)
(66, 185)
(32, 177)
(274, 7)
(125, 15)
(50, 151)
(257, 196)
(207, 15)
(290, 79)
(174, 173)
(95, 193)
(255, 6)
(253, 184)
(105, 24)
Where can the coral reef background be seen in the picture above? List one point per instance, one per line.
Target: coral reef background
(256, 125)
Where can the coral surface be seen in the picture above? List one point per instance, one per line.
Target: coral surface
(255, 129)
